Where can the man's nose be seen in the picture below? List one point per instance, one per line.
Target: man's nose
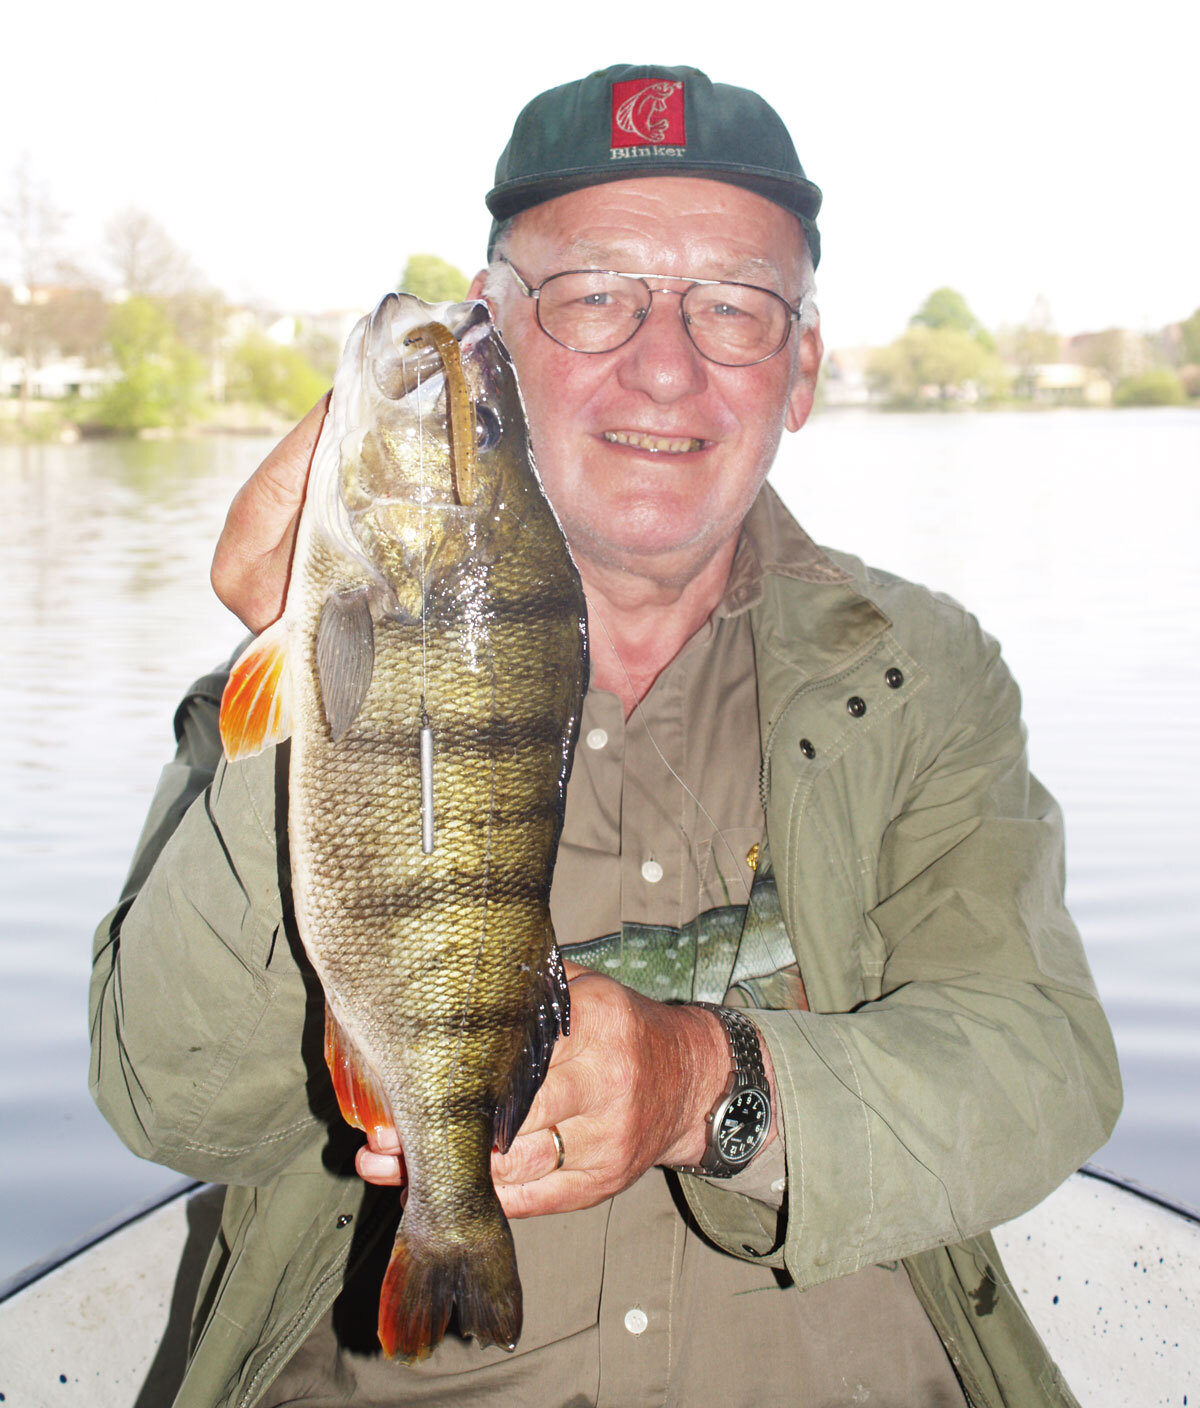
(661, 360)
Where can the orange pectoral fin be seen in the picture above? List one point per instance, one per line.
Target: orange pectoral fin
(360, 1096)
(256, 708)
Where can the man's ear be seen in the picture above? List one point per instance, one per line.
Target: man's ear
(804, 380)
(476, 289)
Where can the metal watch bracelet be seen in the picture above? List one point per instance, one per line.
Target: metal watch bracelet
(748, 1071)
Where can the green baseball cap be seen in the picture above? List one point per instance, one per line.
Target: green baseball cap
(650, 120)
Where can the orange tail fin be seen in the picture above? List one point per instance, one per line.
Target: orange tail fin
(424, 1281)
(256, 708)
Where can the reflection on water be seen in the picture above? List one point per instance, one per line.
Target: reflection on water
(1070, 534)
(106, 612)
(1073, 537)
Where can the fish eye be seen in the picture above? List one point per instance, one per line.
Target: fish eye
(487, 428)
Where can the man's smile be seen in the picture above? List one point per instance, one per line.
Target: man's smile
(657, 444)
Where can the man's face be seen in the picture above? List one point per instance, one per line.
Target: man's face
(650, 454)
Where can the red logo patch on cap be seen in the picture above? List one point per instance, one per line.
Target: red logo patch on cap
(648, 111)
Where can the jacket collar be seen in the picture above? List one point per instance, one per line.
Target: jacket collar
(809, 618)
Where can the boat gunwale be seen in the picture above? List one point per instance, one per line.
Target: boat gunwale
(60, 1256)
(1162, 1200)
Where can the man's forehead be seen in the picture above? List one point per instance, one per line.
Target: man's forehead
(587, 252)
(702, 228)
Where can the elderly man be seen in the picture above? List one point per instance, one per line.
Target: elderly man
(782, 1197)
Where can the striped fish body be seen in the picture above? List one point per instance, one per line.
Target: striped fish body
(432, 590)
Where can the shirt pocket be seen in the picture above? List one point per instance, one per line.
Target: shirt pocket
(723, 870)
(560, 1258)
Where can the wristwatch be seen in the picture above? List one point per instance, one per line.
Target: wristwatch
(739, 1122)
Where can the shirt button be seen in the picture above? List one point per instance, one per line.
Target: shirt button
(636, 1320)
(596, 738)
(894, 678)
(779, 1185)
(652, 873)
(807, 749)
(856, 706)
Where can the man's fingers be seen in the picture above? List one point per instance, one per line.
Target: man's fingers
(268, 503)
(565, 1191)
(282, 475)
(387, 1170)
(253, 555)
(532, 1155)
(383, 1139)
(381, 1160)
(570, 1087)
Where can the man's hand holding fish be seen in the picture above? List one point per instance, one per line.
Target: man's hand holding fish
(660, 902)
(615, 1128)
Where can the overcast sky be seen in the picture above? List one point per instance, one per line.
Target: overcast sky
(301, 152)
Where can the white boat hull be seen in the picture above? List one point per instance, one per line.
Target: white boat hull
(1110, 1277)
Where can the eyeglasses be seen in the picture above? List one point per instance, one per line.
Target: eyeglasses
(599, 310)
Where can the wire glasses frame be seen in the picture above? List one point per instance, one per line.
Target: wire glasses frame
(640, 314)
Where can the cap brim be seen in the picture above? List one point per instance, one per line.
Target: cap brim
(796, 194)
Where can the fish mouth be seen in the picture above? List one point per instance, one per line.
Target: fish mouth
(656, 444)
(401, 365)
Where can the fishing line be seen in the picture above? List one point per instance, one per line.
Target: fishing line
(637, 708)
(483, 928)
(424, 534)
(717, 832)
(426, 728)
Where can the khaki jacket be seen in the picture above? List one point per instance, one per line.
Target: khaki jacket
(954, 1068)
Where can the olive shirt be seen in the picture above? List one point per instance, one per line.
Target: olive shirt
(954, 1068)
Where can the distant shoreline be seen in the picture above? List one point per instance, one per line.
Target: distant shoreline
(49, 427)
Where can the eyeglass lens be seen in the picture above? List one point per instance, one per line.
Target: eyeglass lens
(593, 311)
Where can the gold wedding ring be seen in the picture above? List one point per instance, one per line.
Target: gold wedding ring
(560, 1149)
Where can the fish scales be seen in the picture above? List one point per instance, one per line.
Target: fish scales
(439, 969)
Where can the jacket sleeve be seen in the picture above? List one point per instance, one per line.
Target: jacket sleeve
(204, 1018)
(983, 1072)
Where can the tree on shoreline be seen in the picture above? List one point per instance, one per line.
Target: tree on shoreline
(434, 279)
(280, 378)
(946, 309)
(162, 380)
(945, 355)
(35, 228)
(145, 259)
(1189, 331)
(1032, 343)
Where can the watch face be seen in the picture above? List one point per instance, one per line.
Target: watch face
(743, 1126)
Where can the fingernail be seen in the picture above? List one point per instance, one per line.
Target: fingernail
(372, 1165)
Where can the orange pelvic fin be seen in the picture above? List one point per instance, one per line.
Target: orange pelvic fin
(424, 1281)
(360, 1096)
(256, 708)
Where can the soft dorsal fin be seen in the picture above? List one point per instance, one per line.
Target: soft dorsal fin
(256, 708)
(550, 1015)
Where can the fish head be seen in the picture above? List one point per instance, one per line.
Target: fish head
(431, 443)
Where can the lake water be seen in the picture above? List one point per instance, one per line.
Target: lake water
(1073, 535)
